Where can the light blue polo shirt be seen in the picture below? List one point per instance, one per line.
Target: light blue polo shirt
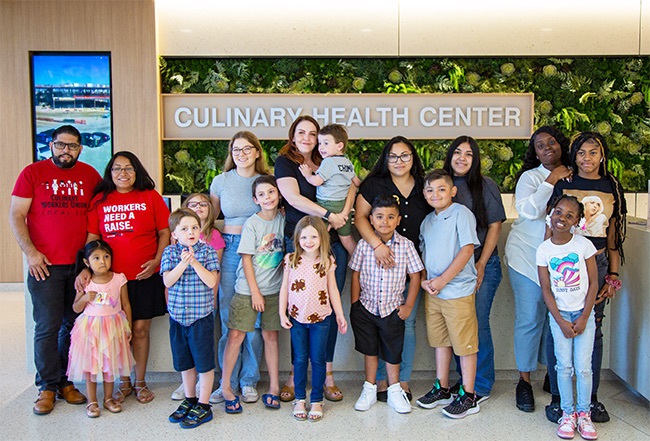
(441, 238)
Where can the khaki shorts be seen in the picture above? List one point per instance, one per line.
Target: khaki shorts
(452, 323)
(242, 316)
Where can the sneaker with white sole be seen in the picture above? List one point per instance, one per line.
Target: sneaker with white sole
(435, 397)
(398, 400)
(217, 397)
(249, 394)
(566, 428)
(179, 393)
(464, 404)
(586, 427)
(367, 398)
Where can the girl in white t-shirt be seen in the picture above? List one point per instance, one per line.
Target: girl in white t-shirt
(569, 281)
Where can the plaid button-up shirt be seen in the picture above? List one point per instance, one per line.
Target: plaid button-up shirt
(382, 289)
(189, 299)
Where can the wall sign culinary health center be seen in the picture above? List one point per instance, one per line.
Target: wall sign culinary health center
(366, 116)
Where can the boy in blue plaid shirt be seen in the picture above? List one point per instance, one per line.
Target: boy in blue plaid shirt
(189, 270)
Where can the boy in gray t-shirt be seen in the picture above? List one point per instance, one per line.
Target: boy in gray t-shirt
(335, 179)
(259, 277)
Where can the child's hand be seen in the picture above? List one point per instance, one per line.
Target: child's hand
(305, 170)
(285, 322)
(187, 256)
(404, 311)
(91, 296)
(580, 324)
(567, 328)
(343, 325)
(257, 302)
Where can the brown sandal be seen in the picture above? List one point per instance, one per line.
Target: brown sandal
(332, 393)
(142, 393)
(287, 393)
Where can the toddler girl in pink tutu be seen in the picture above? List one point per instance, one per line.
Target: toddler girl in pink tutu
(99, 341)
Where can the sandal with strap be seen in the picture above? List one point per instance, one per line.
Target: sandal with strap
(92, 409)
(287, 393)
(112, 406)
(332, 393)
(299, 414)
(123, 391)
(315, 415)
(142, 393)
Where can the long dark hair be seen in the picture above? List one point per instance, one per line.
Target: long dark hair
(474, 177)
(143, 180)
(620, 217)
(380, 169)
(87, 250)
(530, 157)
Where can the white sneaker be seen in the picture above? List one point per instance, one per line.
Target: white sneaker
(398, 400)
(249, 394)
(367, 398)
(179, 393)
(216, 397)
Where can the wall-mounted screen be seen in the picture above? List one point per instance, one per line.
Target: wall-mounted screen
(73, 88)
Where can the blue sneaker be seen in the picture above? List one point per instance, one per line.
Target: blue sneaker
(182, 412)
(197, 416)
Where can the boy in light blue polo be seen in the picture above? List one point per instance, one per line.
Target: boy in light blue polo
(447, 239)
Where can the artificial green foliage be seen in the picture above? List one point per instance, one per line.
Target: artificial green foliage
(608, 95)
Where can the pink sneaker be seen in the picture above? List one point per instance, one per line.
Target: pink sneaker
(586, 427)
(566, 430)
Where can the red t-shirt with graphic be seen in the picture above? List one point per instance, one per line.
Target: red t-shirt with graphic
(60, 198)
(129, 223)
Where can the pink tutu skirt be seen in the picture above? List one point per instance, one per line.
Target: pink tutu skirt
(99, 348)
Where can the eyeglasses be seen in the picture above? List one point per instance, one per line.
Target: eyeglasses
(73, 146)
(128, 170)
(405, 157)
(246, 150)
(193, 205)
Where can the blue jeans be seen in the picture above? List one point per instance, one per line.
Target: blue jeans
(531, 322)
(408, 350)
(574, 356)
(308, 343)
(341, 259)
(247, 368)
(597, 356)
(52, 301)
(484, 298)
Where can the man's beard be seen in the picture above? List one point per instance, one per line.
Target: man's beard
(60, 164)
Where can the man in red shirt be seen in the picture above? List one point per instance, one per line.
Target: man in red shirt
(48, 218)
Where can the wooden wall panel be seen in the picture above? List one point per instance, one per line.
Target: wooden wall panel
(127, 30)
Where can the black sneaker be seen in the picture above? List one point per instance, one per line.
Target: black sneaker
(546, 387)
(455, 388)
(181, 412)
(481, 398)
(382, 396)
(436, 396)
(524, 395)
(553, 410)
(197, 416)
(598, 412)
(464, 404)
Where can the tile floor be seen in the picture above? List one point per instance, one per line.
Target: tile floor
(498, 420)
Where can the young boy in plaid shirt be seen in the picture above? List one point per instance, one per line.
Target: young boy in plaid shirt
(189, 270)
(378, 307)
